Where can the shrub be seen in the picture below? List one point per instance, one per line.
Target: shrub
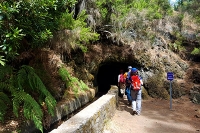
(155, 87)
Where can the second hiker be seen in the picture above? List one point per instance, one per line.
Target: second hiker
(136, 91)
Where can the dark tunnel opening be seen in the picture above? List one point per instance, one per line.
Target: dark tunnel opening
(108, 75)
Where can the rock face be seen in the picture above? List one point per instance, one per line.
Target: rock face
(195, 94)
(150, 61)
(146, 44)
(195, 88)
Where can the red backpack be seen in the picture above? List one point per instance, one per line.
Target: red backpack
(121, 78)
(135, 82)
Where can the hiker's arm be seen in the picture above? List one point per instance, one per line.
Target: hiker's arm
(141, 82)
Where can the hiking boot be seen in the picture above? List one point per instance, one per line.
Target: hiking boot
(138, 113)
(134, 112)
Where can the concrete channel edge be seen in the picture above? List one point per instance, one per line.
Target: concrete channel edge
(93, 118)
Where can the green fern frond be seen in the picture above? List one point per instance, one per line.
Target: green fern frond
(31, 108)
(50, 104)
(36, 85)
(2, 61)
(21, 77)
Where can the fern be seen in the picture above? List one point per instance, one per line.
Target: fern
(21, 90)
(27, 75)
(31, 108)
(2, 60)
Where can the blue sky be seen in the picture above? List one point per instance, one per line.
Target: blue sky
(172, 1)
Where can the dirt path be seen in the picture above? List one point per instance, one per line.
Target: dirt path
(156, 117)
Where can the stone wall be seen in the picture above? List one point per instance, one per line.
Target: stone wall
(94, 117)
(66, 107)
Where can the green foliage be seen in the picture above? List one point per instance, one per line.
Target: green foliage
(27, 75)
(105, 9)
(66, 21)
(190, 6)
(31, 108)
(72, 82)
(80, 33)
(196, 51)
(140, 4)
(120, 8)
(177, 46)
(2, 60)
(26, 91)
(30, 24)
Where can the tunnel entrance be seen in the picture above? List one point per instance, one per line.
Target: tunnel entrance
(108, 75)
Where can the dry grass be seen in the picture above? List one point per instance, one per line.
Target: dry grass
(189, 24)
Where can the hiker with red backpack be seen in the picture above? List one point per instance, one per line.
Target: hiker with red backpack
(136, 91)
(121, 83)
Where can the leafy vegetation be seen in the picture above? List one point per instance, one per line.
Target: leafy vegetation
(72, 82)
(190, 6)
(196, 51)
(27, 25)
(30, 24)
(177, 46)
(80, 34)
(111, 10)
(25, 89)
